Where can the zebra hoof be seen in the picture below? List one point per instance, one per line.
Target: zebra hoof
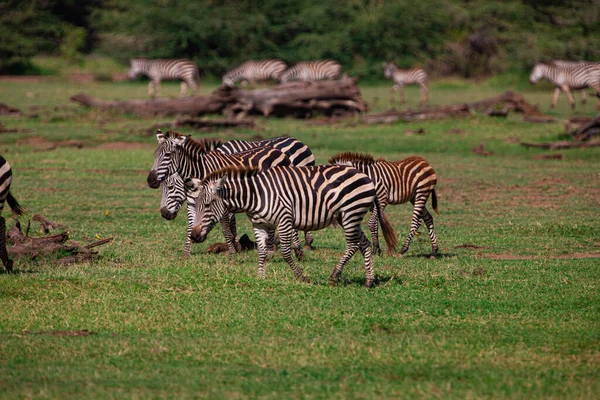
(307, 247)
(404, 250)
(333, 282)
(377, 251)
(369, 284)
(9, 265)
(305, 279)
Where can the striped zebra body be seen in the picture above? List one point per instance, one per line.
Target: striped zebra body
(566, 77)
(6, 196)
(411, 179)
(254, 71)
(290, 198)
(312, 71)
(174, 192)
(177, 153)
(163, 69)
(401, 77)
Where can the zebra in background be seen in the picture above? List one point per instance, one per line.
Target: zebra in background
(293, 198)
(6, 196)
(252, 71)
(174, 192)
(163, 69)
(311, 71)
(564, 63)
(401, 77)
(411, 179)
(177, 153)
(567, 77)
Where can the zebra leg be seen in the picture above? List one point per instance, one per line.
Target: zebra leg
(428, 219)
(424, 94)
(555, 97)
(297, 246)
(393, 95)
(286, 233)
(233, 230)
(308, 240)
(352, 233)
(8, 263)
(583, 96)
(365, 249)
(261, 234)
(191, 214)
(183, 90)
(569, 96)
(271, 243)
(374, 228)
(157, 86)
(402, 94)
(227, 234)
(418, 206)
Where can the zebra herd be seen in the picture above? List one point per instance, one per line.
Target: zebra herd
(277, 184)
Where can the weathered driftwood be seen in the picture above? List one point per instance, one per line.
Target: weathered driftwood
(583, 128)
(204, 124)
(196, 105)
(497, 106)
(562, 144)
(6, 110)
(298, 99)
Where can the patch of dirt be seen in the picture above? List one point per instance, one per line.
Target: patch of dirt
(552, 257)
(82, 332)
(548, 157)
(42, 144)
(125, 146)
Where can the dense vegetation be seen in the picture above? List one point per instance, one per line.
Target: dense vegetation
(469, 38)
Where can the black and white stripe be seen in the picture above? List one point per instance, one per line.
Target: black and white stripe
(177, 153)
(312, 71)
(255, 71)
(163, 69)
(289, 199)
(6, 196)
(401, 77)
(174, 192)
(567, 76)
(570, 64)
(411, 179)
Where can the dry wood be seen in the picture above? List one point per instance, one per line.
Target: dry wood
(562, 144)
(585, 127)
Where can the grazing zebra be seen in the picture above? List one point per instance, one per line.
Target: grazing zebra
(411, 179)
(401, 77)
(563, 63)
(174, 192)
(158, 70)
(5, 195)
(290, 198)
(253, 71)
(567, 77)
(311, 71)
(177, 153)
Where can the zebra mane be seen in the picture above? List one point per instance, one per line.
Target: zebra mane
(351, 156)
(210, 144)
(230, 171)
(202, 146)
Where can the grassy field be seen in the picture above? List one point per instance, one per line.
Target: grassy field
(511, 309)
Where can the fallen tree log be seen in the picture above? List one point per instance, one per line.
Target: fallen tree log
(497, 106)
(562, 144)
(585, 128)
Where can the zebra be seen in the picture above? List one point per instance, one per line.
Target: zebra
(411, 179)
(567, 77)
(174, 192)
(311, 71)
(564, 63)
(177, 153)
(165, 69)
(401, 77)
(17, 210)
(290, 198)
(253, 71)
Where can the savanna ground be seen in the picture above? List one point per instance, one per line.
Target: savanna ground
(511, 309)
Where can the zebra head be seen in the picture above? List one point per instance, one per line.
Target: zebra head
(135, 68)
(538, 72)
(166, 157)
(228, 79)
(173, 194)
(388, 70)
(210, 207)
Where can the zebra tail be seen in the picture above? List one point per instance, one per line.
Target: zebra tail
(434, 201)
(389, 233)
(14, 205)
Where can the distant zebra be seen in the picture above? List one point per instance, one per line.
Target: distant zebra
(567, 77)
(174, 192)
(290, 198)
(311, 71)
(564, 63)
(177, 153)
(5, 195)
(162, 69)
(254, 71)
(411, 179)
(401, 77)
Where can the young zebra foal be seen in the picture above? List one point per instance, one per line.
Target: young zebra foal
(160, 70)
(289, 198)
(401, 77)
(6, 196)
(411, 179)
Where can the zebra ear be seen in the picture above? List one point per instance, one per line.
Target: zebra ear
(160, 137)
(180, 140)
(193, 185)
(218, 185)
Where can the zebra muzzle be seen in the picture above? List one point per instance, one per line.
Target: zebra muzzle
(166, 214)
(197, 235)
(153, 179)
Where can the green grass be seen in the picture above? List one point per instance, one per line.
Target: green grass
(517, 317)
